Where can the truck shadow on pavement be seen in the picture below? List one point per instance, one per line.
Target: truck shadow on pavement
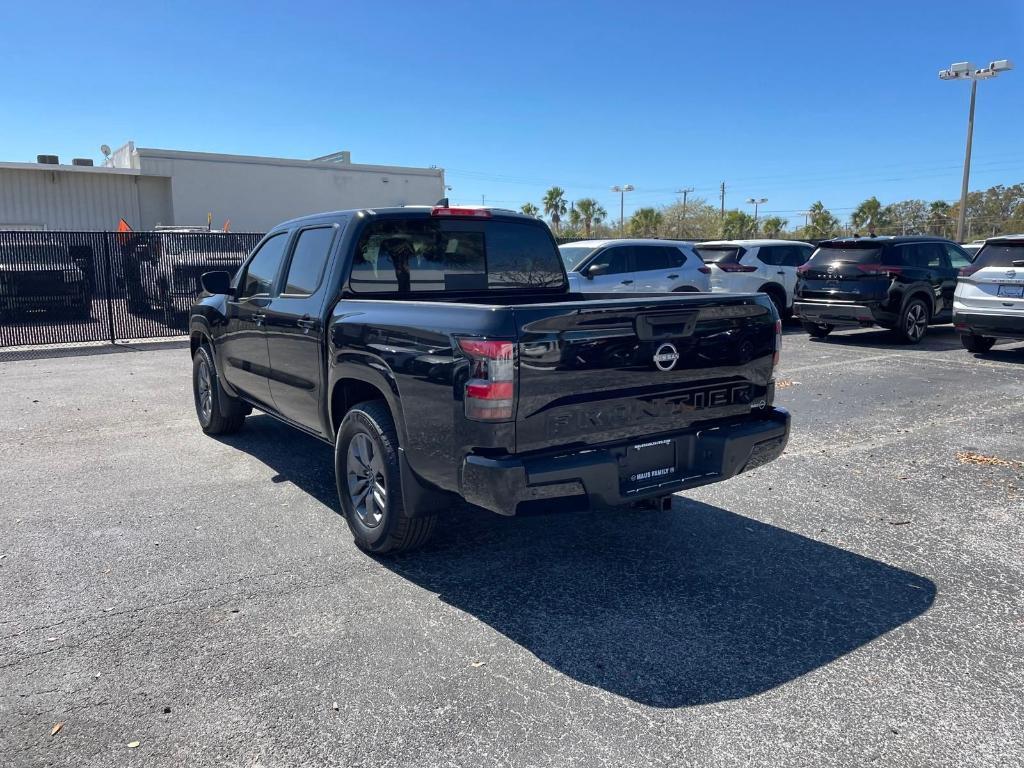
(669, 609)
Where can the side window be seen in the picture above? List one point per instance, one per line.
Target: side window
(957, 258)
(649, 258)
(676, 256)
(308, 259)
(932, 255)
(802, 255)
(615, 259)
(768, 254)
(262, 269)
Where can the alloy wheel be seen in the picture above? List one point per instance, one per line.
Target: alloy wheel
(204, 392)
(367, 486)
(916, 322)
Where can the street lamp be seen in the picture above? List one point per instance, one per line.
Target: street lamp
(964, 70)
(622, 190)
(756, 201)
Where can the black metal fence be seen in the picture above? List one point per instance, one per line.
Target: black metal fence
(106, 286)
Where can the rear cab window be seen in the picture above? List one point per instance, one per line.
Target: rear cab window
(442, 255)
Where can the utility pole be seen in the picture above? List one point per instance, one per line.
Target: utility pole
(756, 201)
(964, 70)
(721, 193)
(622, 189)
(483, 199)
(685, 191)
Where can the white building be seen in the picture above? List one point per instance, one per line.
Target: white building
(147, 187)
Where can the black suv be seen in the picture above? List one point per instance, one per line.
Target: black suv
(901, 283)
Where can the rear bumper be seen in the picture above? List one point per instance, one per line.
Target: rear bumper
(997, 326)
(827, 313)
(705, 454)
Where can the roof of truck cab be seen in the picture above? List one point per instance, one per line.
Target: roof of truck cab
(885, 239)
(404, 209)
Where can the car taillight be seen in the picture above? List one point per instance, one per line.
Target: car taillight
(490, 390)
(729, 267)
(704, 270)
(778, 345)
(482, 213)
(879, 270)
(968, 271)
(802, 269)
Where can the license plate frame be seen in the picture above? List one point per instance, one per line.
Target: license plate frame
(1010, 291)
(648, 463)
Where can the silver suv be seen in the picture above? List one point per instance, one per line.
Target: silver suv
(989, 300)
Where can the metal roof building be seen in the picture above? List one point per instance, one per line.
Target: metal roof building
(147, 187)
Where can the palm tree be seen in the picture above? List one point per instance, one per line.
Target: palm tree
(645, 222)
(773, 226)
(554, 205)
(529, 209)
(868, 214)
(591, 213)
(823, 223)
(940, 215)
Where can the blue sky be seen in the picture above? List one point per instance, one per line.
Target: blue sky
(791, 101)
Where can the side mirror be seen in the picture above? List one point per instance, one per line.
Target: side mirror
(217, 283)
(594, 270)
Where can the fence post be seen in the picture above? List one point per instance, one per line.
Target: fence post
(109, 275)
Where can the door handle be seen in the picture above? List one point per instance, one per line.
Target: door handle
(627, 282)
(306, 323)
(673, 277)
(780, 272)
(259, 317)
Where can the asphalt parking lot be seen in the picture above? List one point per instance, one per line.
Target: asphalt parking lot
(857, 602)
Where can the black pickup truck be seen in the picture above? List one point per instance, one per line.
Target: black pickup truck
(441, 353)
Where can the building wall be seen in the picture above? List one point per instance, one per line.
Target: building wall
(60, 198)
(155, 206)
(257, 195)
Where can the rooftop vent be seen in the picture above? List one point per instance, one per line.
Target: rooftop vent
(87, 161)
(48, 159)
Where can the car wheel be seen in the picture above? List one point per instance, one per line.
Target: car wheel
(975, 343)
(818, 331)
(208, 397)
(368, 477)
(913, 322)
(778, 299)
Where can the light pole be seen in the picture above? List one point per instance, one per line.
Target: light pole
(756, 201)
(964, 70)
(622, 190)
(685, 191)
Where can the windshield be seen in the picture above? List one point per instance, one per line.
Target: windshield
(996, 255)
(717, 254)
(828, 255)
(573, 255)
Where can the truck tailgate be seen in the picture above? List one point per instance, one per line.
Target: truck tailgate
(596, 371)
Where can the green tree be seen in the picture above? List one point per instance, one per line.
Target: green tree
(907, 217)
(869, 213)
(736, 225)
(940, 218)
(772, 226)
(591, 213)
(645, 222)
(529, 209)
(822, 223)
(555, 206)
(699, 221)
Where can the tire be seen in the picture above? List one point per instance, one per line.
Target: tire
(913, 323)
(778, 299)
(207, 396)
(817, 331)
(975, 343)
(368, 478)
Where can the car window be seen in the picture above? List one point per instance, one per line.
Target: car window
(934, 255)
(852, 254)
(262, 269)
(999, 255)
(721, 254)
(803, 254)
(648, 258)
(676, 256)
(308, 259)
(616, 260)
(416, 255)
(957, 258)
(769, 254)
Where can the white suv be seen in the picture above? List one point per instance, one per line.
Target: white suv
(989, 300)
(614, 266)
(756, 266)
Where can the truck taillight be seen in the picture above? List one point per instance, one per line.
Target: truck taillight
(778, 344)
(490, 390)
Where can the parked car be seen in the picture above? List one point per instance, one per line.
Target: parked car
(756, 266)
(972, 248)
(989, 299)
(902, 283)
(443, 355)
(625, 266)
(162, 269)
(42, 276)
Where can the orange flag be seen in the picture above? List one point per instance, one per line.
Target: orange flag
(227, 225)
(122, 226)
